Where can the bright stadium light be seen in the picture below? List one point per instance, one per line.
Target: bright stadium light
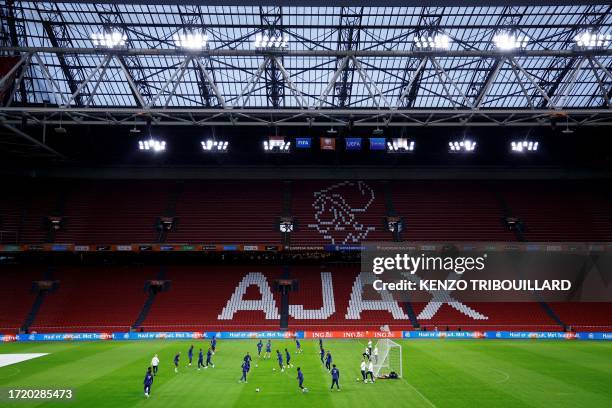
(215, 146)
(400, 145)
(191, 40)
(433, 42)
(152, 145)
(523, 146)
(268, 41)
(113, 39)
(507, 41)
(276, 144)
(587, 39)
(462, 146)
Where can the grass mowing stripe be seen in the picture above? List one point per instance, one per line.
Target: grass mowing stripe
(438, 373)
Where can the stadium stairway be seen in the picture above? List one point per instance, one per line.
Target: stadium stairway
(397, 235)
(520, 236)
(146, 307)
(38, 301)
(410, 312)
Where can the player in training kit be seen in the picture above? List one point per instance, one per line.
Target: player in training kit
(375, 355)
(366, 354)
(363, 370)
(370, 371)
(148, 381)
(247, 357)
(321, 343)
(322, 355)
(259, 347)
(288, 358)
(245, 369)
(190, 354)
(213, 344)
(280, 360)
(176, 361)
(200, 360)
(209, 354)
(155, 364)
(268, 348)
(335, 373)
(300, 378)
(370, 347)
(298, 345)
(328, 361)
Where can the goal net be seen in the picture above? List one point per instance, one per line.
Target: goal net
(389, 358)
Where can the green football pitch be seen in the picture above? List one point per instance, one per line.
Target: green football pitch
(437, 373)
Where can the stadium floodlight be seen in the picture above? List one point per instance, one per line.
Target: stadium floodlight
(433, 42)
(463, 146)
(508, 41)
(191, 40)
(400, 145)
(112, 39)
(523, 146)
(216, 146)
(276, 144)
(152, 145)
(270, 41)
(588, 39)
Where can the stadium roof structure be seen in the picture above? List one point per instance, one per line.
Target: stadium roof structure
(357, 66)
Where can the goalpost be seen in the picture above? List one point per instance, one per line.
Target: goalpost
(389, 358)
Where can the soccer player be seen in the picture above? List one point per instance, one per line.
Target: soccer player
(300, 378)
(200, 360)
(366, 354)
(370, 372)
(370, 347)
(259, 347)
(279, 356)
(328, 361)
(176, 361)
(322, 355)
(209, 354)
(190, 354)
(245, 369)
(335, 373)
(376, 355)
(298, 345)
(213, 344)
(268, 348)
(288, 358)
(363, 370)
(247, 357)
(148, 381)
(155, 364)
(321, 343)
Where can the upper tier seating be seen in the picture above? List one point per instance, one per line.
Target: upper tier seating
(555, 211)
(327, 212)
(449, 211)
(338, 212)
(228, 212)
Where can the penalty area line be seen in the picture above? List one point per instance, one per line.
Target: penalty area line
(427, 400)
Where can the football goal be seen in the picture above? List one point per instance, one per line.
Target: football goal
(389, 358)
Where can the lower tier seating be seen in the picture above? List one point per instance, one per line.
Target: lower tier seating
(242, 298)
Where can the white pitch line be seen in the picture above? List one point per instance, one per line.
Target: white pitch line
(431, 404)
(507, 376)
(9, 359)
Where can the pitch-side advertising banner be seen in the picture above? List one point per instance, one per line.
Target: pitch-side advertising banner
(365, 334)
